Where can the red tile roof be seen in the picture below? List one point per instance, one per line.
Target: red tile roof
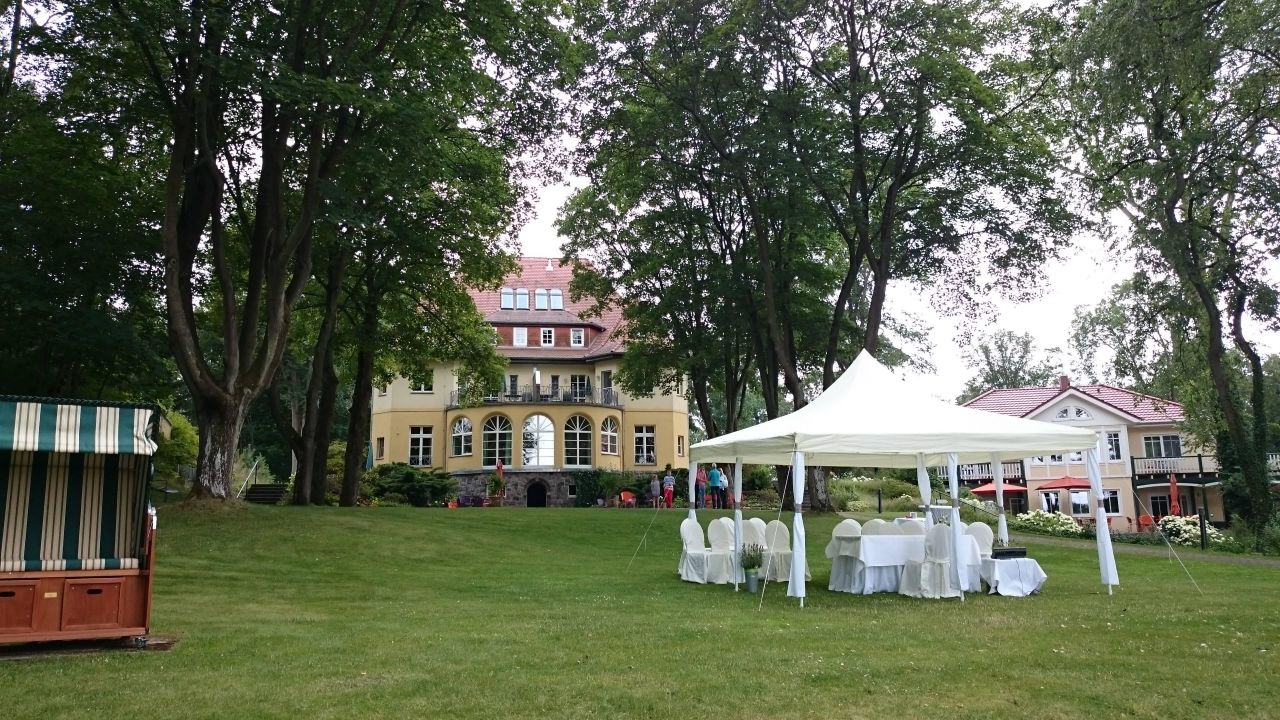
(1021, 402)
(542, 272)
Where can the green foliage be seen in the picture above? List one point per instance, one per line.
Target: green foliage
(250, 466)
(1047, 523)
(178, 449)
(401, 482)
(1008, 360)
(752, 557)
(496, 484)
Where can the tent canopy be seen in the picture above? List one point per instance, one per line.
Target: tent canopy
(870, 418)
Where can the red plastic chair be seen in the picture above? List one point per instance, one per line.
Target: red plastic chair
(1145, 523)
(627, 499)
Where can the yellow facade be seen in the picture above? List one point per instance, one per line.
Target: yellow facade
(398, 408)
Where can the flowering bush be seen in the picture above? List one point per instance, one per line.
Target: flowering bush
(1186, 530)
(1054, 523)
(858, 506)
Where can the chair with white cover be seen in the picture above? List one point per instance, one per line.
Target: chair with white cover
(981, 533)
(694, 554)
(753, 533)
(843, 551)
(721, 563)
(777, 559)
(873, 527)
(985, 537)
(931, 578)
(891, 529)
(912, 527)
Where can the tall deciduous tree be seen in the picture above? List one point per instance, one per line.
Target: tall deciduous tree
(1177, 106)
(1008, 360)
(260, 104)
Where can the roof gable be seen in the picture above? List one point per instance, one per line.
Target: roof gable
(1134, 406)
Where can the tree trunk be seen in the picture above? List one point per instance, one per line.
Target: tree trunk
(320, 432)
(357, 429)
(219, 440)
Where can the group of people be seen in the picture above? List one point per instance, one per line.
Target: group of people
(712, 487)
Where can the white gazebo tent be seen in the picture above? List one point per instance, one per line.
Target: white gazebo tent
(870, 418)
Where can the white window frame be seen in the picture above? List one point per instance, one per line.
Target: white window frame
(577, 442)
(507, 299)
(380, 448)
(548, 337)
(577, 337)
(421, 437)
(520, 337)
(461, 437)
(1116, 447)
(1073, 496)
(1160, 440)
(609, 436)
(646, 437)
(556, 299)
(491, 439)
(522, 298)
(540, 299)
(382, 391)
(424, 388)
(1075, 456)
(1109, 496)
(538, 441)
(1044, 501)
(679, 446)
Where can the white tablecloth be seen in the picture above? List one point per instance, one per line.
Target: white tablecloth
(1013, 577)
(873, 563)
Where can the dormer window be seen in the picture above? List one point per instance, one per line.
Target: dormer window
(540, 299)
(557, 300)
(508, 299)
(1072, 412)
(577, 337)
(522, 298)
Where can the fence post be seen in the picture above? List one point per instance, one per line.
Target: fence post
(1204, 532)
(879, 501)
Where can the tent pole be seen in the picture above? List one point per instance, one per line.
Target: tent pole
(692, 501)
(737, 518)
(997, 475)
(926, 489)
(795, 585)
(953, 478)
(1101, 531)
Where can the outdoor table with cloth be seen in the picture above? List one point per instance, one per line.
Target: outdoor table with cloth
(1013, 577)
(874, 563)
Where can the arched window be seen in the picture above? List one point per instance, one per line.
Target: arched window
(557, 300)
(1072, 412)
(508, 299)
(609, 436)
(540, 299)
(461, 437)
(577, 442)
(522, 298)
(539, 441)
(497, 441)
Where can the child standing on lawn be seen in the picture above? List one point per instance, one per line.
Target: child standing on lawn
(655, 492)
(668, 488)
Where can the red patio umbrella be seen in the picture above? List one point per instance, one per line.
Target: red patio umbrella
(990, 489)
(1175, 508)
(1066, 483)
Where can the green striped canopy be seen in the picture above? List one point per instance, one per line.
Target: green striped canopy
(62, 426)
(73, 484)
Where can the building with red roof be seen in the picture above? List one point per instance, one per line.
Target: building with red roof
(1140, 447)
(557, 412)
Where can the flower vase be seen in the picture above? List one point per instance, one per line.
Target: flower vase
(753, 580)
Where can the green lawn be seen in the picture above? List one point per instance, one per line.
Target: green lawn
(492, 613)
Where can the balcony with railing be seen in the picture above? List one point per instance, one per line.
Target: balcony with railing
(982, 472)
(543, 394)
(1192, 468)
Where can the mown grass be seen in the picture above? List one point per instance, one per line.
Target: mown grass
(494, 613)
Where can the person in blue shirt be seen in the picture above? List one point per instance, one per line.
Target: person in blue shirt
(713, 483)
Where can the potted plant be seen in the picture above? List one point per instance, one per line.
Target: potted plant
(496, 488)
(453, 503)
(752, 558)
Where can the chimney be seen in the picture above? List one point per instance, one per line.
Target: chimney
(1064, 382)
(549, 268)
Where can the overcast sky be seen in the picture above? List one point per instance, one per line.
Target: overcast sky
(1083, 277)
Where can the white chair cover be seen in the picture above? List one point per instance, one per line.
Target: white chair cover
(874, 526)
(912, 527)
(984, 535)
(693, 556)
(777, 559)
(722, 563)
(753, 533)
(846, 575)
(931, 578)
(891, 529)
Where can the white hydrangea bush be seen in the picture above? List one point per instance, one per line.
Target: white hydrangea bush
(1054, 523)
(1186, 530)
